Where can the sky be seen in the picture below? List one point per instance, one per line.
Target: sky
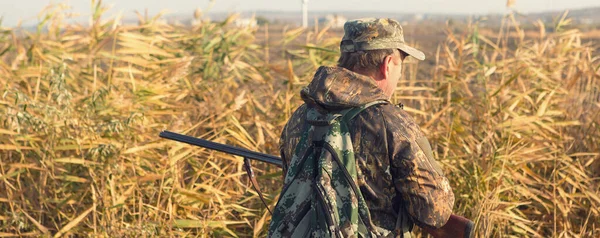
(13, 11)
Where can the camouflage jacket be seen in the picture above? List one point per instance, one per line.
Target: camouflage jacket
(395, 163)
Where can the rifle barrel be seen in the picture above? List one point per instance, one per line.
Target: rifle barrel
(222, 147)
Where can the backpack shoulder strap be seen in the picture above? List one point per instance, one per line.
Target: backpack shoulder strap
(351, 113)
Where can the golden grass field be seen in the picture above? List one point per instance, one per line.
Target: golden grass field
(513, 117)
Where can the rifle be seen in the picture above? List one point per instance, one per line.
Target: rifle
(456, 226)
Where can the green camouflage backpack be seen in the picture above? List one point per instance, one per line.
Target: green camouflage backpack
(320, 197)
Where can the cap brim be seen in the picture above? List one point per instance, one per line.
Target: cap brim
(417, 54)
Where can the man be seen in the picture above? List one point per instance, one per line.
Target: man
(397, 174)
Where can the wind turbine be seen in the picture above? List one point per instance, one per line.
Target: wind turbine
(304, 13)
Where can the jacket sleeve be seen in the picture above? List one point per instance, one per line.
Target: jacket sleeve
(284, 159)
(290, 136)
(425, 191)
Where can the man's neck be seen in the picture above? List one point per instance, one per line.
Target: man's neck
(379, 80)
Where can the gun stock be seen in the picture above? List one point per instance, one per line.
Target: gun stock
(456, 226)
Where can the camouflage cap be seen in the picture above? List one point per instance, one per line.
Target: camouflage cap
(375, 34)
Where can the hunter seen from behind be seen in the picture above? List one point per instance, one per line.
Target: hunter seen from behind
(510, 103)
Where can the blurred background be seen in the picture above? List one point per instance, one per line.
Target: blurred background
(24, 12)
(509, 97)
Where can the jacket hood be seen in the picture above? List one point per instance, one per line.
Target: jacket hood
(335, 88)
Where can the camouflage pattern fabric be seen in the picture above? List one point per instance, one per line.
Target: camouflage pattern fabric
(321, 197)
(395, 169)
(376, 33)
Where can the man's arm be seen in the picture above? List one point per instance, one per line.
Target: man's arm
(284, 160)
(425, 191)
(290, 136)
(284, 149)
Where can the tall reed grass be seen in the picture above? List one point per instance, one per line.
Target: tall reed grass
(514, 121)
(518, 127)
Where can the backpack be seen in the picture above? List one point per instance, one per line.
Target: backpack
(320, 197)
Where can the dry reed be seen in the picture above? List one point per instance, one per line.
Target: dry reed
(514, 121)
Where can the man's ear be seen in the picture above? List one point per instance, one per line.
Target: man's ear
(384, 69)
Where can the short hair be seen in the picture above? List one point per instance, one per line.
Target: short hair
(367, 61)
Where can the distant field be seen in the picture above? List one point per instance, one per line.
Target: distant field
(428, 36)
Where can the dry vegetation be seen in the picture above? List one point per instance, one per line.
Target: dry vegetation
(514, 121)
